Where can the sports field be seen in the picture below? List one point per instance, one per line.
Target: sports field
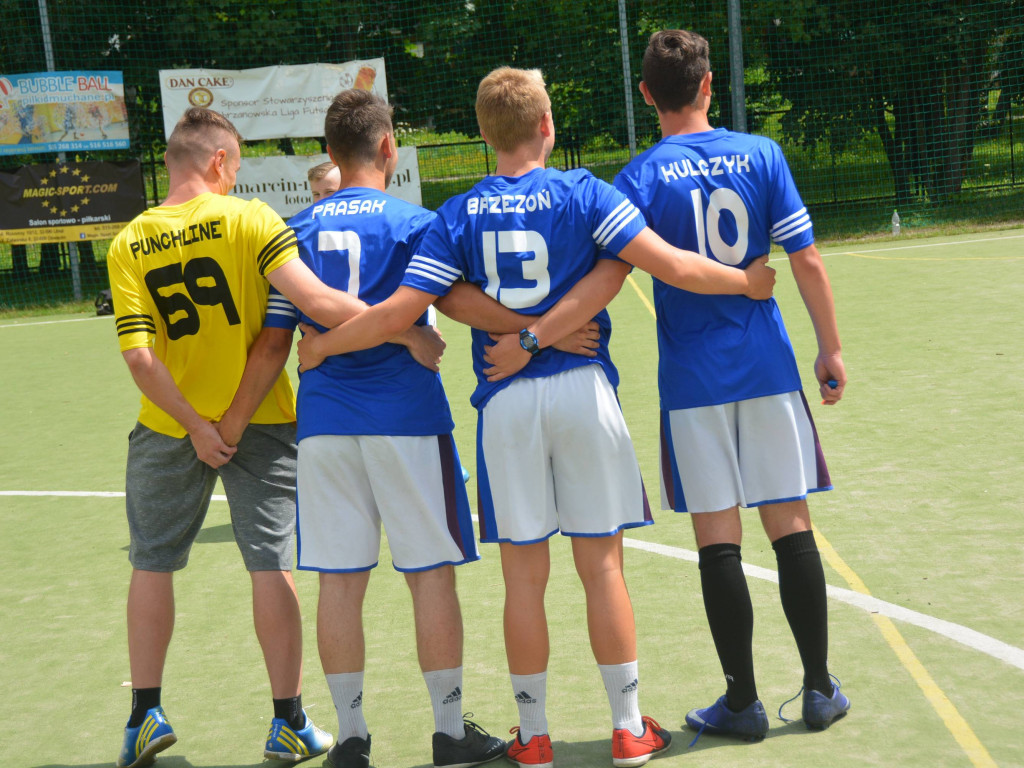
(923, 540)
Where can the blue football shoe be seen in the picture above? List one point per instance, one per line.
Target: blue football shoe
(285, 743)
(819, 710)
(142, 743)
(750, 724)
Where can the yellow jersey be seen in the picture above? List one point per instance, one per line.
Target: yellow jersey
(188, 281)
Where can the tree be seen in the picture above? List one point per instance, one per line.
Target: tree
(917, 74)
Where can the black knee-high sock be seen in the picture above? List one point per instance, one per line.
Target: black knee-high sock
(802, 588)
(731, 619)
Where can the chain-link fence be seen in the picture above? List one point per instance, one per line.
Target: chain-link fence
(879, 105)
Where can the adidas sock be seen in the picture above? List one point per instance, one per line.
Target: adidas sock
(347, 694)
(621, 682)
(802, 589)
(731, 619)
(290, 710)
(531, 692)
(143, 700)
(445, 687)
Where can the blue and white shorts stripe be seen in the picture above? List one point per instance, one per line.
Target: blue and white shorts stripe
(759, 451)
(554, 454)
(350, 484)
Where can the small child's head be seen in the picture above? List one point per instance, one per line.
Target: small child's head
(675, 63)
(510, 104)
(324, 180)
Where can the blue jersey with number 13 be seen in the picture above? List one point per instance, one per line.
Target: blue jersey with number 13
(526, 240)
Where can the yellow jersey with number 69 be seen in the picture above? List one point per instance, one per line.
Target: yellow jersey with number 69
(189, 281)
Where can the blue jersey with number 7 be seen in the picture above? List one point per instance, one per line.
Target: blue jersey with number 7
(727, 196)
(526, 240)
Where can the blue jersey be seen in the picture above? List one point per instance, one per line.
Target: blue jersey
(727, 196)
(360, 240)
(526, 240)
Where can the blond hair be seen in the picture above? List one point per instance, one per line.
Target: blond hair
(198, 134)
(509, 106)
(317, 172)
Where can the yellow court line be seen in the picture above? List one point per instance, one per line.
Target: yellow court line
(946, 710)
(642, 295)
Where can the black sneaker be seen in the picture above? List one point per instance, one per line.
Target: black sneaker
(354, 752)
(475, 748)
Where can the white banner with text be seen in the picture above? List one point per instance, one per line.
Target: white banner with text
(281, 182)
(286, 101)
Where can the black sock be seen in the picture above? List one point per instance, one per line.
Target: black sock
(802, 589)
(731, 619)
(143, 700)
(290, 710)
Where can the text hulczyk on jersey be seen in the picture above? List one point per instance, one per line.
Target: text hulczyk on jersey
(713, 166)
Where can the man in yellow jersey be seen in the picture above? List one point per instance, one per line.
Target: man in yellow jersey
(190, 286)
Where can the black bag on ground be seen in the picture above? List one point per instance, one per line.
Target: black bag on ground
(104, 302)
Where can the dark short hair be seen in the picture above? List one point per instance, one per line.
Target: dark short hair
(356, 122)
(675, 63)
(198, 134)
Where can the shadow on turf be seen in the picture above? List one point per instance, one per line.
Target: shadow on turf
(177, 761)
(583, 754)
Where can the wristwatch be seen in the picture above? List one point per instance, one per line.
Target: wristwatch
(529, 342)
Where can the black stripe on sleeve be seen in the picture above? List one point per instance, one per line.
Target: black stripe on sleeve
(276, 251)
(272, 246)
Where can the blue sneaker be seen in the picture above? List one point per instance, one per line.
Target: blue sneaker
(750, 725)
(820, 711)
(284, 743)
(143, 742)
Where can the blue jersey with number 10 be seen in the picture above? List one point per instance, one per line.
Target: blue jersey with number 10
(526, 240)
(360, 240)
(727, 196)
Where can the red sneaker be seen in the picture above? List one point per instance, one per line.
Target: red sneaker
(629, 751)
(536, 753)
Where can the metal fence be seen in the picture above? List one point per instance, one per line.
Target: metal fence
(878, 104)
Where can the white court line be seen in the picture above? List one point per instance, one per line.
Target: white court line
(961, 634)
(923, 245)
(974, 640)
(103, 494)
(54, 322)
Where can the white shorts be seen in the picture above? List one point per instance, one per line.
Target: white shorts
(554, 454)
(759, 451)
(349, 484)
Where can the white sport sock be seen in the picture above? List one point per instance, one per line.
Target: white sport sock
(347, 693)
(531, 692)
(445, 687)
(621, 682)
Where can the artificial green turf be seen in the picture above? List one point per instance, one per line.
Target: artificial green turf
(924, 451)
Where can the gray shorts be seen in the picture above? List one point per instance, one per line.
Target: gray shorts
(168, 492)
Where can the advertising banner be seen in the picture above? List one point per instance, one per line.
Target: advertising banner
(56, 203)
(62, 112)
(281, 182)
(286, 101)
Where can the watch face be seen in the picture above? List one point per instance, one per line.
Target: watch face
(528, 341)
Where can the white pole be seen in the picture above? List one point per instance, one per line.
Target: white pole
(44, 22)
(739, 98)
(627, 79)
